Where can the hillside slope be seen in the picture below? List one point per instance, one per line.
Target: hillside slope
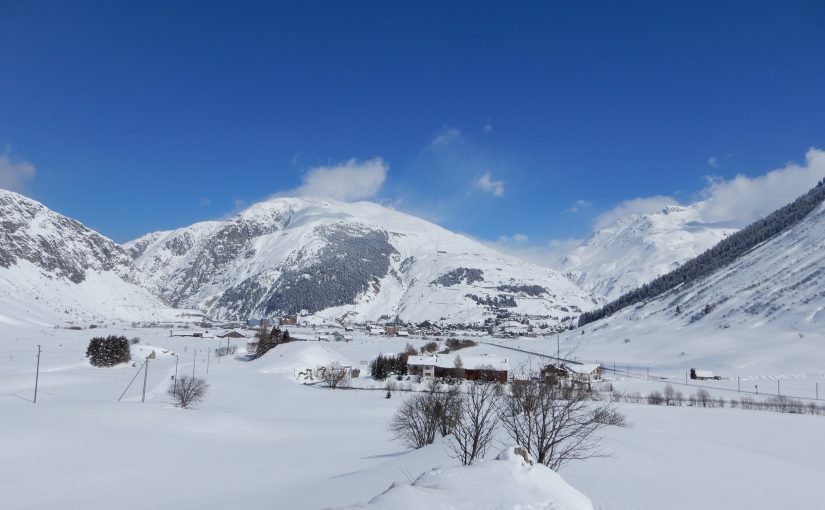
(53, 269)
(798, 223)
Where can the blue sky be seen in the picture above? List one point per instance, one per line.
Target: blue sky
(520, 123)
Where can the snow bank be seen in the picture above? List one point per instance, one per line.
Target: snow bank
(297, 356)
(509, 482)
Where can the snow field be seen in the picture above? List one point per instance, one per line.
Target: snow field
(262, 440)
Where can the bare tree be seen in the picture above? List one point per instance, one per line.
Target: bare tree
(334, 375)
(423, 416)
(415, 422)
(672, 397)
(556, 423)
(447, 408)
(188, 390)
(704, 398)
(477, 422)
(459, 367)
(655, 398)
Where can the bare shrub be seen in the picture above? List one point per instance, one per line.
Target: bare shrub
(703, 398)
(655, 398)
(669, 395)
(334, 375)
(476, 423)
(557, 424)
(430, 347)
(188, 390)
(423, 416)
(454, 344)
(415, 423)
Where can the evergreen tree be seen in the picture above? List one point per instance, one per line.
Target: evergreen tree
(109, 351)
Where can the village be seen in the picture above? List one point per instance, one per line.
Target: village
(490, 357)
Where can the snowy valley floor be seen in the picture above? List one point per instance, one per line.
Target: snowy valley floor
(261, 440)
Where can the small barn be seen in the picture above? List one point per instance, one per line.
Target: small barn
(576, 372)
(702, 375)
(232, 334)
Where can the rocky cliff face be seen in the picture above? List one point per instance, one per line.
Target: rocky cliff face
(61, 246)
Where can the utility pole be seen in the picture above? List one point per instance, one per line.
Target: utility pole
(176, 374)
(777, 387)
(194, 362)
(207, 361)
(817, 391)
(37, 374)
(145, 376)
(738, 387)
(648, 373)
(558, 347)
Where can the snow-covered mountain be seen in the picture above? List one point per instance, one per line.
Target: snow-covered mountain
(54, 269)
(635, 249)
(337, 259)
(764, 307)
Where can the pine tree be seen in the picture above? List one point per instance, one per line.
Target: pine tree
(109, 351)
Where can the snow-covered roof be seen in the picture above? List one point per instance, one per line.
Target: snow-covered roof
(704, 373)
(469, 362)
(584, 369)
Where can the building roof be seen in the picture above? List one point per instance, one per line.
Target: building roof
(583, 369)
(470, 362)
(704, 373)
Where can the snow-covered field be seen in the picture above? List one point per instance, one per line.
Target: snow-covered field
(263, 440)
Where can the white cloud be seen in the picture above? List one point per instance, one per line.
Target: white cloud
(350, 180)
(549, 254)
(513, 239)
(743, 199)
(738, 201)
(488, 128)
(445, 136)
(579, 205)
(14, 173)
(641, 205)
(713, 161)
(205, 202)
(486, 184)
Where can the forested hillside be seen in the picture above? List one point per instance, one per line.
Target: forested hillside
(719, 256)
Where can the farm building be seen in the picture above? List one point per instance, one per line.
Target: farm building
(473, 368)
(232, 334)
(288, 320)
(577, 372)
(702, 375)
